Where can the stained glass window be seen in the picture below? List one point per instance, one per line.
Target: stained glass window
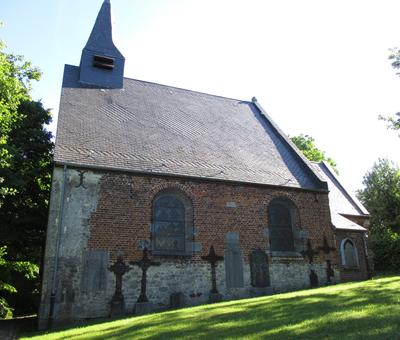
(169, 224)
(280, 227)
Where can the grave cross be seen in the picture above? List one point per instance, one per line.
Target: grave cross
(310, 252)
(145, 263)
(119, 268)
(213, 258)
(325, 247)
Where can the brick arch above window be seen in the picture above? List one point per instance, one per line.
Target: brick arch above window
(172, 223)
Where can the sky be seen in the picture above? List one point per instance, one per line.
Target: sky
(318, 67)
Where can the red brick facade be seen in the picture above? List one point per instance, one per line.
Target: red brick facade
(353, 274)
(124, 210)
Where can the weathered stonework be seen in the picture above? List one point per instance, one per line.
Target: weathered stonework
(109, 213)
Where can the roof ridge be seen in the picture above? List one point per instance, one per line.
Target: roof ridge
(353, 200)
(186, 90)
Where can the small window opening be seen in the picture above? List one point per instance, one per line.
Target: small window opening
(106, 63)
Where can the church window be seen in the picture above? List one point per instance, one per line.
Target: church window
(280, 226)
(349, 253)
(171, 225)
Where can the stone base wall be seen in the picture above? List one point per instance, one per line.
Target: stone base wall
(190, 278)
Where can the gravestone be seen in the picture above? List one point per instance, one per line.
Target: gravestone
(259, 269)
(119, 268)
(313, 279)
(143, 305)
(176, 300)
(233, 261)
(309, 252)
(259, 273)
(213, 259)
(95, 268)
(329, 272)
(327, 250)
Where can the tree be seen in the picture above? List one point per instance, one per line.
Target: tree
(393, 123)
(25, 175)
(7, 268)
(306, 144)
(381, 196)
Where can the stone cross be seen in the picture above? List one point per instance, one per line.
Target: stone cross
(145, 263)
(329, 271)
(327, 249)
(213, 258)
(310, 252)
(119, 268)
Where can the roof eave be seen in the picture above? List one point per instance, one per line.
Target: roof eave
(171, 175)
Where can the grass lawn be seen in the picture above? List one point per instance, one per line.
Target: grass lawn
(364, 310)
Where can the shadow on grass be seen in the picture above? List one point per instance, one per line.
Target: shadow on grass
(369, 311)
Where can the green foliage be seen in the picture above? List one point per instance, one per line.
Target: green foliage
(393, 123)
(381, 195)
(306, 144)
(361, 310)
(7, 268)
(28, 176)
(16, 76)
(25, 175)
(394, 57)
(385, 244)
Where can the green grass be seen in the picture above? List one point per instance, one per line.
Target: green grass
(363, 310)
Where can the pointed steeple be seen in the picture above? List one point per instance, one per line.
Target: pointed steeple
(102, 64)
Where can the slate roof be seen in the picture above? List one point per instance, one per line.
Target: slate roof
(152, 128)
(341, 201)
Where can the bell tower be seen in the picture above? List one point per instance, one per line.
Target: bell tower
(102, 64)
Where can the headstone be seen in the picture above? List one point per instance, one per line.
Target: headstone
(177, 300)
(327, 250)
(213, 258)
(329, 271)
(313, 279)
(233, 261)
(309, 252)
(143, 305)
(119, 268)
(259, 269)
(95, 268)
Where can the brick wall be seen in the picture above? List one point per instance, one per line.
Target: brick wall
(352, 274)
(123, 215)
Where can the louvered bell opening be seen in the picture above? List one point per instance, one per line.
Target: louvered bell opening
(105, 63)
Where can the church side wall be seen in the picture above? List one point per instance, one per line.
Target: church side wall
(108, 214)
(361, 271)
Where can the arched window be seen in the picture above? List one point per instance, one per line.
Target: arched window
(281, 225)
(349, 253)
(171, 224)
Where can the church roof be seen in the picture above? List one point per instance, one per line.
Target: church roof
(151, 128)
(341, 201)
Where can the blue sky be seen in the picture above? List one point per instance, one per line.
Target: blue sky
(318, 67)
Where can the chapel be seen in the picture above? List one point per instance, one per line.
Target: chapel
(164, 197)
